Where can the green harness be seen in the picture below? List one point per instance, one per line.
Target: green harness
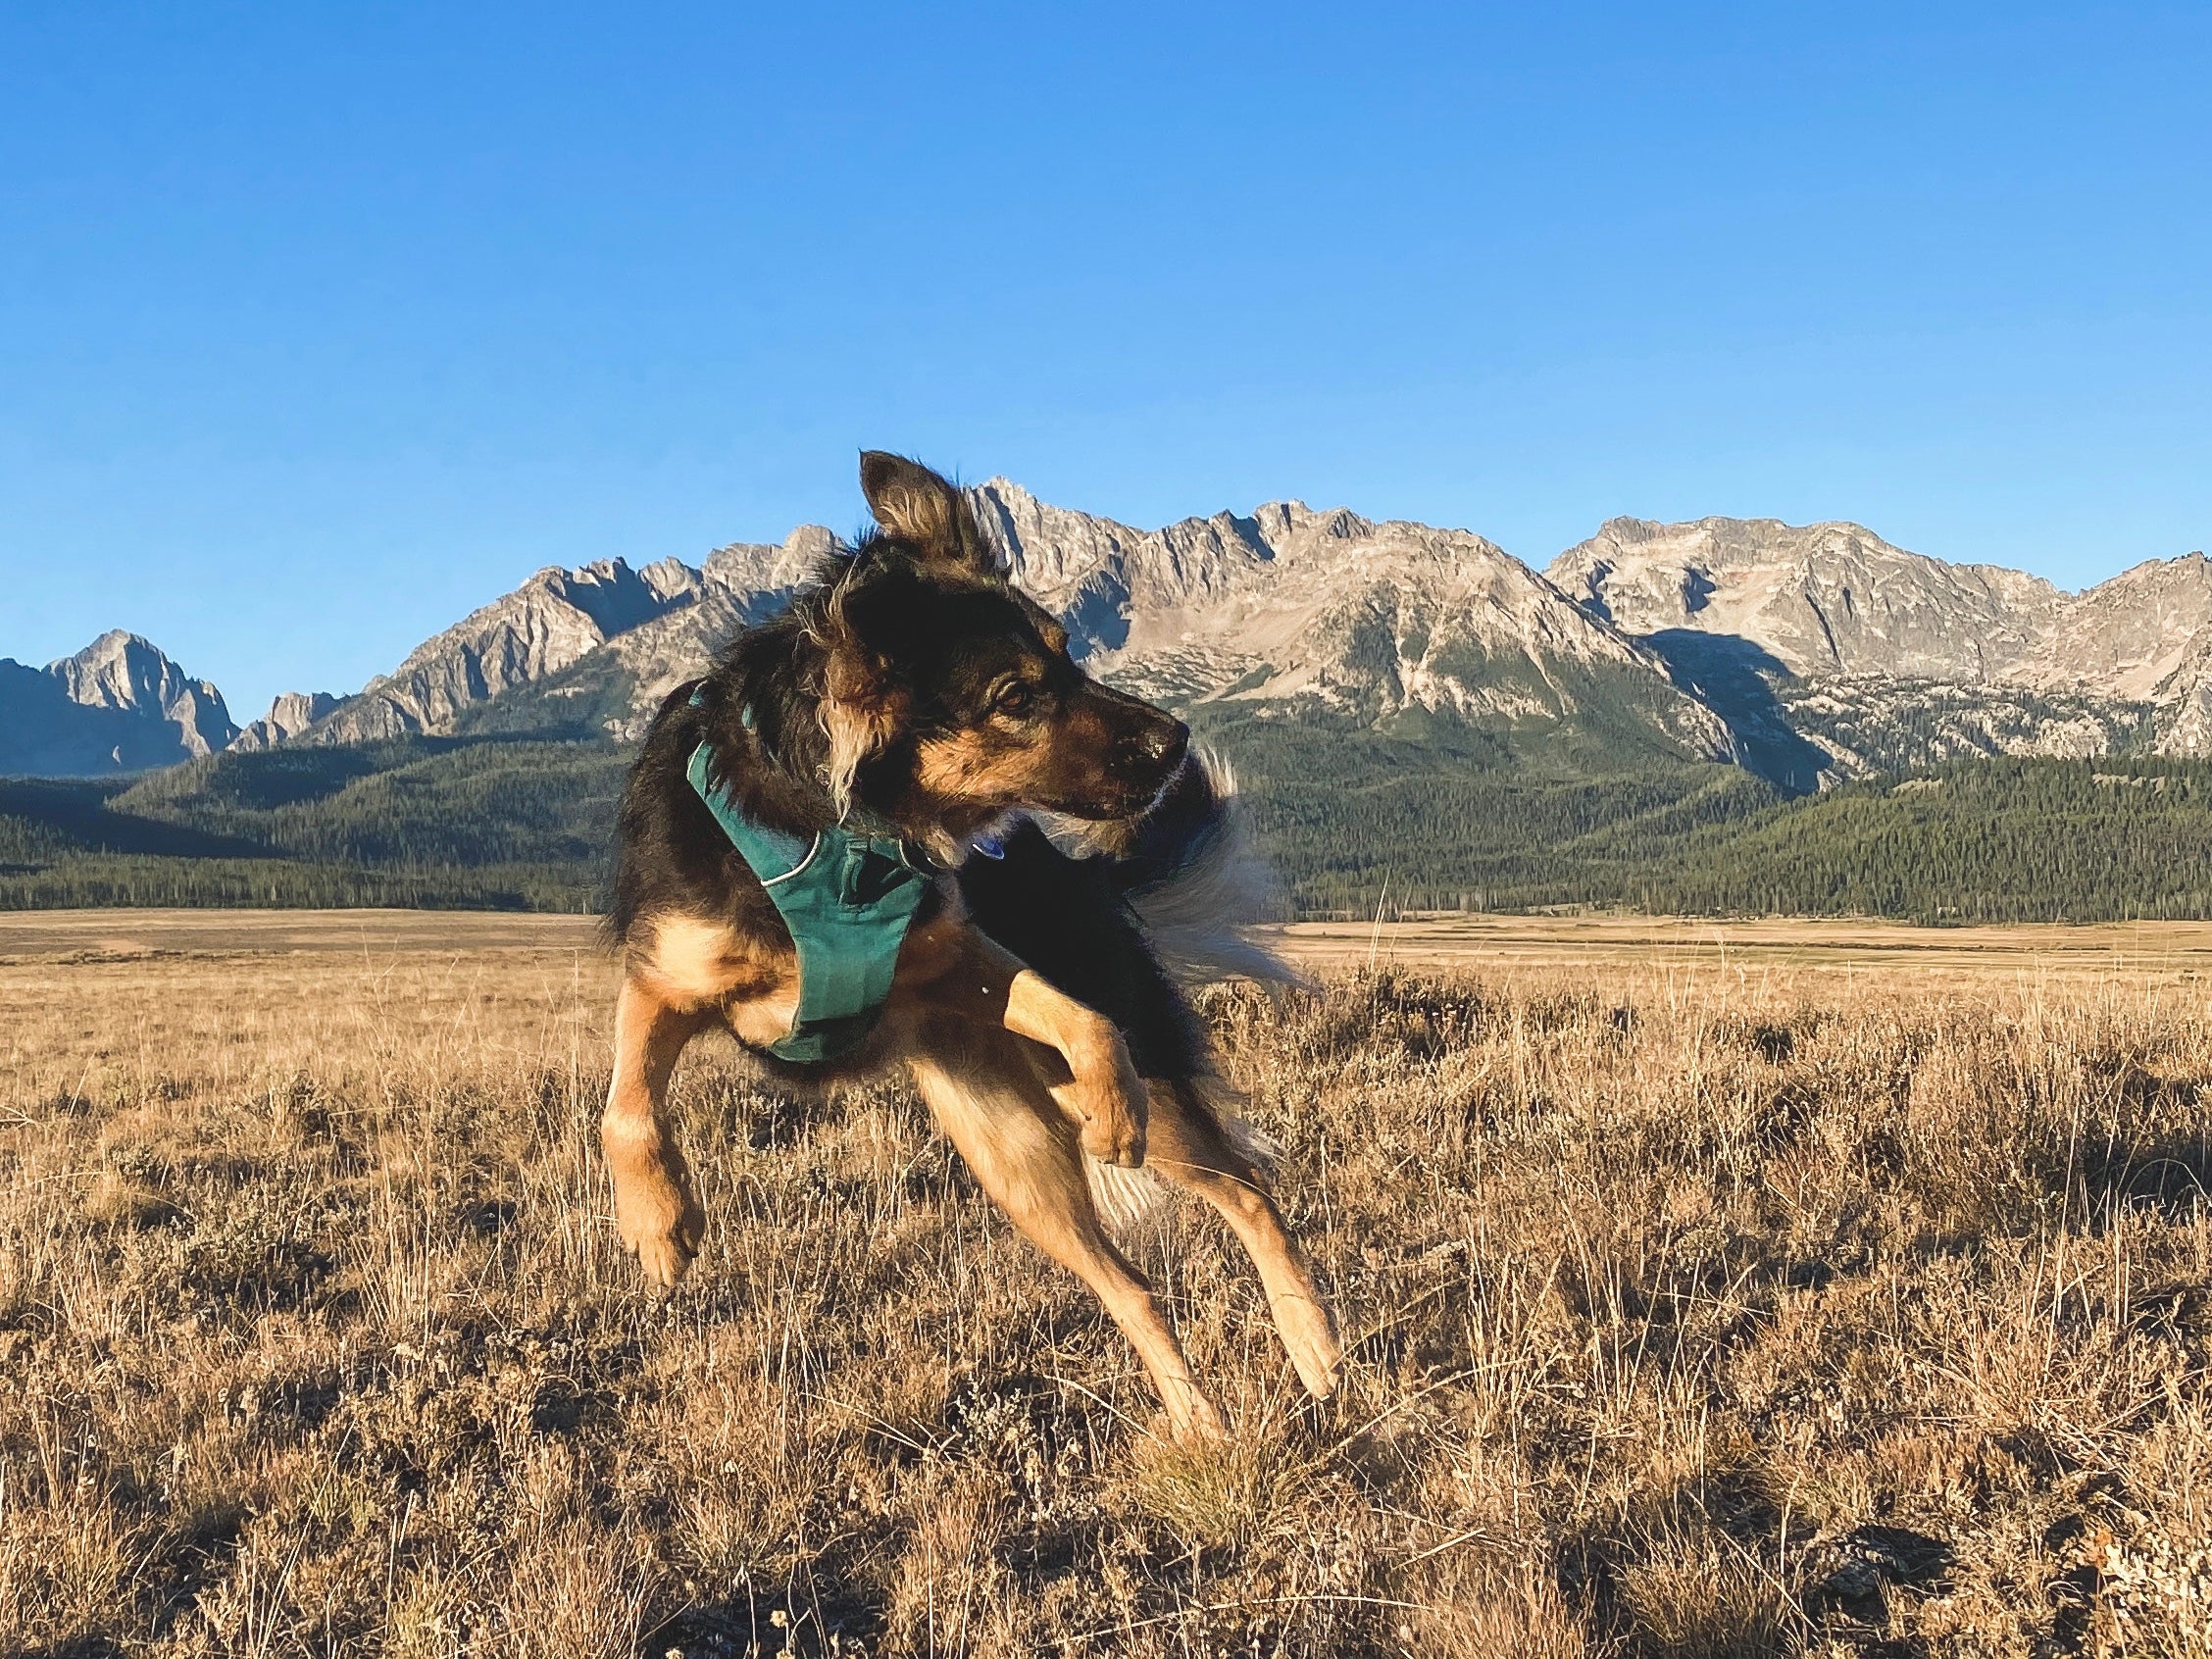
(847, 898)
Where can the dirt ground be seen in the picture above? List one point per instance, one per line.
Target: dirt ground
(2152, 952)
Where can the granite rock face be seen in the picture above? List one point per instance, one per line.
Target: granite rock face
(1823, 599)
(1344, 615)
(1875, 653)
(538, 630)
(119, 705)
(290, 715)
(654, 626)
(2139, 636)
(129, 674)
(1327, 611)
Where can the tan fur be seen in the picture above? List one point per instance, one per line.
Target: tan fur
(1202, 1143)
(859, 713)
(690, 960)
(1009, 1132)
(1094, 1052)
(1024, 1154)
(853, 737)
(965, 766)
(695, 963)
(693, 970)
(1212, 1154)
(1128, 1198)
(654, 1210)
(1036, 1090)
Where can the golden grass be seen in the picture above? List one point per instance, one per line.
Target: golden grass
(1692, 1312)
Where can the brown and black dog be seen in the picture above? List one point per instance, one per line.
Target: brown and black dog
(913, 688)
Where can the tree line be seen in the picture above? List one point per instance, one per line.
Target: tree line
(1354, 822)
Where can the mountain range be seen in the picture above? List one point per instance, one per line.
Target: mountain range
(1808, 654)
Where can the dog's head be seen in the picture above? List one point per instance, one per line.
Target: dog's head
(948, 695)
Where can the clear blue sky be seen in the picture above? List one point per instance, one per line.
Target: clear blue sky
(321, 323)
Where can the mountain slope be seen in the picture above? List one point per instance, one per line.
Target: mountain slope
(662, 622)
(1807, 653)
(1331, 616)
(1827, 598)
(2145, 635)
(289, 716)
(118, 705)
(2130, 635)
(1855, 657)
(539, 628)
(1312, 615)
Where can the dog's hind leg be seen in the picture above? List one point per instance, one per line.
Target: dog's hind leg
(1026, 1155)
(654, 1209)
(1191, 1148)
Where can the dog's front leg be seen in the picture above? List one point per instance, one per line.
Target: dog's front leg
(655, 1212)
(1101, 1092)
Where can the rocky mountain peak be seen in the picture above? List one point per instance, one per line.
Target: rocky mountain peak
(1074, 564)
(118, 705)
(749, 568)
(1280, 524)
(555, 618)
(669, 578)
(288, 717)
(1823, 598)
(121, 670)
(2131, 636)
(1364, 621)
(613, 596)
(130, 673)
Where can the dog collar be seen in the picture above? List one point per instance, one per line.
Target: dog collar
(847, 896)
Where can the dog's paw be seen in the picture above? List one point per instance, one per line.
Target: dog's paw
(1311, 1341)
(1193, 1419)
(663, 1226)
(1115, 1138)
(1111, 1110)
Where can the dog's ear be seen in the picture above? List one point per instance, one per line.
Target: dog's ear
(917, 507)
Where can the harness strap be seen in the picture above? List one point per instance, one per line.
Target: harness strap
(847, 898)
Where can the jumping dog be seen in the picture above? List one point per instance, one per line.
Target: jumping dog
(848, 845)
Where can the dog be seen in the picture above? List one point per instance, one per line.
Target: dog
(899, 825)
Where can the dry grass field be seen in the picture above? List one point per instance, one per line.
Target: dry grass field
(1709, 1293)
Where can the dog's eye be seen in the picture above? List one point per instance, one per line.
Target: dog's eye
(1013, 699)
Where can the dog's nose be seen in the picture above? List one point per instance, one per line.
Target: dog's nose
(1165, 744)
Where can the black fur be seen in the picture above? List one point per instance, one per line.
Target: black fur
(1068, 918)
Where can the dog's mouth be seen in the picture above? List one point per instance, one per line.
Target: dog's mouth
(1124, 797)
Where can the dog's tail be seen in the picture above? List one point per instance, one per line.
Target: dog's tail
(1125, 1198)
(1198, 885)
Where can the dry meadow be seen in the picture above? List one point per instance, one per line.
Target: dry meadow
(1696, 1306)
